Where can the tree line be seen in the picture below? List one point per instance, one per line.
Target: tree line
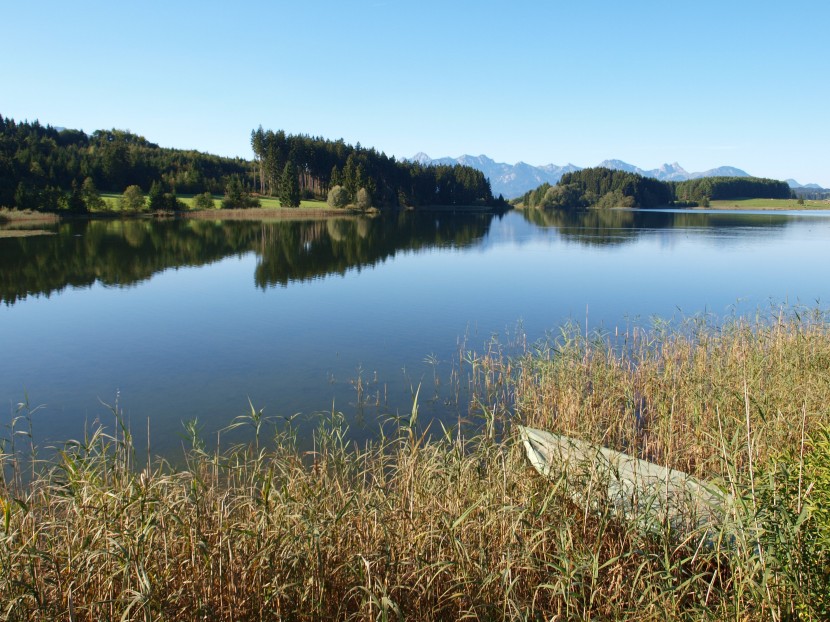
(719, 188)
(813, 194)
(604, 187)
(46, 168)
(344, 174)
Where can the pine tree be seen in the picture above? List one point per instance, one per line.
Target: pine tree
(335, 179)
(155, 198)
(289, 186)
(93, 200)
(75, 202)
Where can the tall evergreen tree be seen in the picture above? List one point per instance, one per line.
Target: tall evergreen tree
(75, 201)
(289, 186)
(335, 179)
(93, 200)
(155, 198)
(258, 147)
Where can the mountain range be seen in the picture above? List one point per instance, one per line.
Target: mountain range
(794, 184)
(513, 180)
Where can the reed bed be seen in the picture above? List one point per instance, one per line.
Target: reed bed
(434, 523)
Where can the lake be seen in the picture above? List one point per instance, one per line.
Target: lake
(184, 319)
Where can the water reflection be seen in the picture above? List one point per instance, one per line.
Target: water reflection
(300, 250)
(125, 252)
(253, 316)
(619, 226)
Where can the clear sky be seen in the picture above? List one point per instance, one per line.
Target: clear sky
(704, 83)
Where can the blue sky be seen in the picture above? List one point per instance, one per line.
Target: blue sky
(701, 83)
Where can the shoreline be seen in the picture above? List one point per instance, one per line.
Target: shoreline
(10, 218)
(443, 518)
(268, 213)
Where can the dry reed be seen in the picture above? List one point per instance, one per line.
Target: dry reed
(437, 526)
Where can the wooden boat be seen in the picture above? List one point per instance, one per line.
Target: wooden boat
(653, 497)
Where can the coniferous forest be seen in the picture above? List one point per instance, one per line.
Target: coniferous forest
(604, 187)
(51, 169)
(325, 166)
(47, 168)
(44, 168)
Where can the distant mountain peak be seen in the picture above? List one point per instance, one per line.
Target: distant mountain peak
(513, 180)
(615, 162)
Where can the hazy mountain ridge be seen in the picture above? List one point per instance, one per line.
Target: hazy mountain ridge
(795, 185)
(513, 180)
(509, 180)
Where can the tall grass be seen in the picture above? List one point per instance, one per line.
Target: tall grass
(424, 524)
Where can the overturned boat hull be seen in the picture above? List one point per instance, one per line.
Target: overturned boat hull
(653, 497)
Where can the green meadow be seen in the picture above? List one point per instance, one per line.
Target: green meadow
(112, 199)
(769, 204)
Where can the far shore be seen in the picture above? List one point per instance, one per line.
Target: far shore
(770, 205)
(310, 211)
(767, 204)
(11, 220)
(270, 213)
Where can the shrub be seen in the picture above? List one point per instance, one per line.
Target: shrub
(793, 502)
(204, 201)
(132, 200)
(237, 197)
(364, 199)
(338, 197)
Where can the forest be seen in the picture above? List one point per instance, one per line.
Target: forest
(719, 188)
(603, 187)
(46, 168)
(341, 173)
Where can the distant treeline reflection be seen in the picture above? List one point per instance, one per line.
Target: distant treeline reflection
(125, 252)
(122, 253)
(608, 227)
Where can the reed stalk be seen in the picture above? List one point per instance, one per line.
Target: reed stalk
(437, 523)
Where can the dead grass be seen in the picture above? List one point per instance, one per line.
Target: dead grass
(439, 526)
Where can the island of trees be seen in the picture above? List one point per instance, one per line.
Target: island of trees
(50, 169)
(604, 187)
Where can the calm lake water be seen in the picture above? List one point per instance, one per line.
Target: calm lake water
(191, 319)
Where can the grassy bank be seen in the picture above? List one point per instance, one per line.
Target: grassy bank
(454, 524)
(769, 204)
(25, 216)
(268, 203)
(314, 212)
(22, 223)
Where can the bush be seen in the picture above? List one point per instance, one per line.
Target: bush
(338, 197)
(794, 512)
(364, 199)
(237, 197)
(164, 201)
(204, 201)
(132, 200)
(615, 199)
